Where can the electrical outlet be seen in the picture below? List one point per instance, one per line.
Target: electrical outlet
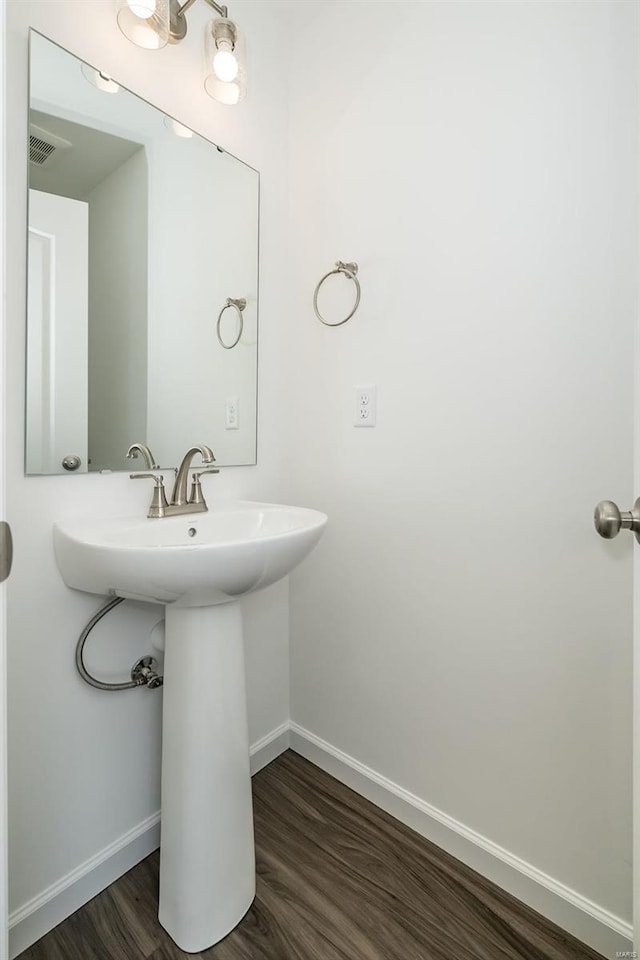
(365, 406)
(232, 414)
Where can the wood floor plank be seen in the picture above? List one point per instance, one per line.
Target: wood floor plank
(169, 951)
(135, 898)
(337, 879)
(92, 933)
(46, 949)
(278, 927)
(446, 886)
(382, 898)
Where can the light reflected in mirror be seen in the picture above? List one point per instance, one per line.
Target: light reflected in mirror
(140, 232)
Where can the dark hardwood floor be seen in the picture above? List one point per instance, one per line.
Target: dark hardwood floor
(337, 879)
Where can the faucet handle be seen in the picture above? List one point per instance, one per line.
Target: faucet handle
(159, 479)
(196, 490)
(159, 499)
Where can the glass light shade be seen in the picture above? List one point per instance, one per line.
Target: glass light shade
(228, 93)
(144, 22)
(143, 8)
(99, 79)
(178, 128)
(225, 62)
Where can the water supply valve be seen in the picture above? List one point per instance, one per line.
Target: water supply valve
(144, 673)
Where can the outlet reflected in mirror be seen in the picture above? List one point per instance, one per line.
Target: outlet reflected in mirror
(138, 237)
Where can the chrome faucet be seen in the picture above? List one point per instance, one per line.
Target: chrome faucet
(179, 504)
(136, 448)
(179, 495)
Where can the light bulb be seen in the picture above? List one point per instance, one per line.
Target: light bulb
(142, 8)
(225, 65)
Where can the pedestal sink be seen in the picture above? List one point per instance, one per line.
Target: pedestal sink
(198, 566)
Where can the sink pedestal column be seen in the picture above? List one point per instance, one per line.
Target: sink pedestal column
(207, 860)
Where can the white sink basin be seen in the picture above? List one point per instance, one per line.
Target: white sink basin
(198, 565)
(195, 560)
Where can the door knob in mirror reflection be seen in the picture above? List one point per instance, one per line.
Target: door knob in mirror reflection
(609, 520)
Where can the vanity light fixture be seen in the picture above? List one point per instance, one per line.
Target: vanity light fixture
(226, 76)
(152, 24)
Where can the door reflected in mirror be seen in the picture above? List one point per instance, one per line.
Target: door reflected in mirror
(140, 232)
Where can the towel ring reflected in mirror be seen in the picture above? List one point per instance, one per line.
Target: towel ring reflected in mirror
(238, 306)
(348, 270)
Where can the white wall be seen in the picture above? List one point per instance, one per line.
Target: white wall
(84, 767)
(118, 313)
(461, 630)
(191, 377)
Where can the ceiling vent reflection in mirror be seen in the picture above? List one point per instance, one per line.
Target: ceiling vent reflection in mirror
(151, 24)
(45, 147)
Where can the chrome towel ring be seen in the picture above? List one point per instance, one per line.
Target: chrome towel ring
(238, 306)
(349, 270)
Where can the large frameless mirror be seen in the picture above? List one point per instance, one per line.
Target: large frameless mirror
(142, 279)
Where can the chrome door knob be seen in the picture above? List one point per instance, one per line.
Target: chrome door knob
(609, 520)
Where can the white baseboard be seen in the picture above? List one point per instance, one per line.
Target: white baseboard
(587, 921)
(42, 913)
(595, 926)
(268, 748)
